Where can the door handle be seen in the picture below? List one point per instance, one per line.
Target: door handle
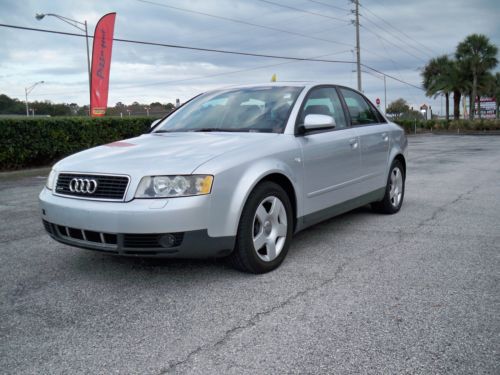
(354, 143)
(385, 137)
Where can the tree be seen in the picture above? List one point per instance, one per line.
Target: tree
(461, 84)
(438, 78)
(477, 55)
(11, 106)
(397, 108)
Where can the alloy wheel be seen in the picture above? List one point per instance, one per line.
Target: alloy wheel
(269, 228)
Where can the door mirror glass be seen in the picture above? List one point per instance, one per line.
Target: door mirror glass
(313, 121)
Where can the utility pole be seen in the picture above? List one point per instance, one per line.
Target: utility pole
(385, 96)
(358, 48)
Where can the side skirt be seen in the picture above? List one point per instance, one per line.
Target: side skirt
(338, 209)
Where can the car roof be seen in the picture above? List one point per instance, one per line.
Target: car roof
(306, 84)
(274, 84)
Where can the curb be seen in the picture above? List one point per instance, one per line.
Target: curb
(44, 171)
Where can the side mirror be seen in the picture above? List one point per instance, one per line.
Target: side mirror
(153, 124)
(318, 122)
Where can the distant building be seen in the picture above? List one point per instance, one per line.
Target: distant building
(426, 111)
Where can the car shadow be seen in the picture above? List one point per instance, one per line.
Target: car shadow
(90, 261)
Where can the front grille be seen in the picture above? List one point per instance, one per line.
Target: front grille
(81, 234)
(108, 186)
(48, 227)
(115, 241)
(151, 241)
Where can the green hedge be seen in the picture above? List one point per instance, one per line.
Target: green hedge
(27, 142)
(41, 141)
(453, 125)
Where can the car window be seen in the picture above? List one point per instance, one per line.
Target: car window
(324, 101)
(253, 109)
(360, 110)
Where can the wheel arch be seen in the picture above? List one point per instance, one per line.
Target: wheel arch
(285, 183)
(236, 184)
(401, 158)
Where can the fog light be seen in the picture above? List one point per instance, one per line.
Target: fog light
(167, 240)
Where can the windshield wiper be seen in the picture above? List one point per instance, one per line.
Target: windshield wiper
(203, 130)
(216, 130)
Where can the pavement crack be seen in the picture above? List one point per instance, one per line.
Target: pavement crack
(253, 320)
(443, 208)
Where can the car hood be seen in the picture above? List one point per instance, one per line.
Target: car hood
(155, 154)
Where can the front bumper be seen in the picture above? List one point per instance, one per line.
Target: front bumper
(157, 227)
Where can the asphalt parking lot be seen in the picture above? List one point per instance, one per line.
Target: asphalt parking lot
(417, 292)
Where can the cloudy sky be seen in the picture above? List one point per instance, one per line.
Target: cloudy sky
(397, 37)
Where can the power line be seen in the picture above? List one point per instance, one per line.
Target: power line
(380, 37)
(405, 42)
(157, 44)
(199, 77)
(394, 44)
(398, 30)
(303, 11)
(229, 72)
(329, 5)
(392, 77)
(386, 56)
(394, 64)
(292, 58)
(243, 22)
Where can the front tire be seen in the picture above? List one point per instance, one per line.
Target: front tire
(394, 191)
(264, 231)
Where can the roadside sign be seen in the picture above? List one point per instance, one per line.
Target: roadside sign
(377, 101)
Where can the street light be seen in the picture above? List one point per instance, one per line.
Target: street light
(27, 90)
(78, 25)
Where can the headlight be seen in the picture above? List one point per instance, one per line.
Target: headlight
(51, 179)
(174, 186)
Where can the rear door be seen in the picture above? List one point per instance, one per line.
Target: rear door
(373, 133)
(331, 158)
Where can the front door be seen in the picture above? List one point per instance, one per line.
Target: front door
(331, 158)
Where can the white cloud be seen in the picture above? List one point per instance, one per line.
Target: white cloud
(148, 73)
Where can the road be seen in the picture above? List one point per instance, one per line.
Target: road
(417, 292)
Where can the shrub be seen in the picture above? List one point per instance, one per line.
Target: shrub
(30, 142)
(452, 125)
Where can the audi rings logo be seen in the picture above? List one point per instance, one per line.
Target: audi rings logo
(83, 185)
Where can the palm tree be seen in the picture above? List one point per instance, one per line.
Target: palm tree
(460, 85)
(438, 79)
(479, 55)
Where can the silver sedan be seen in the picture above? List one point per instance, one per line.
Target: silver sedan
(232, 173)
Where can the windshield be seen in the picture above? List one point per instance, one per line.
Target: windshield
(256, 109)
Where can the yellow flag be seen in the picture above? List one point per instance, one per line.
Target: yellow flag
(273, 78)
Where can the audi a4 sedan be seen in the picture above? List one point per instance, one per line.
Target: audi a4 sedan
(233, 173)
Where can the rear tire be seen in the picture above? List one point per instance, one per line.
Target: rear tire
(394, 191)
(264, 231)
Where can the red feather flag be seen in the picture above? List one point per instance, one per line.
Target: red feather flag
(101, 63)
